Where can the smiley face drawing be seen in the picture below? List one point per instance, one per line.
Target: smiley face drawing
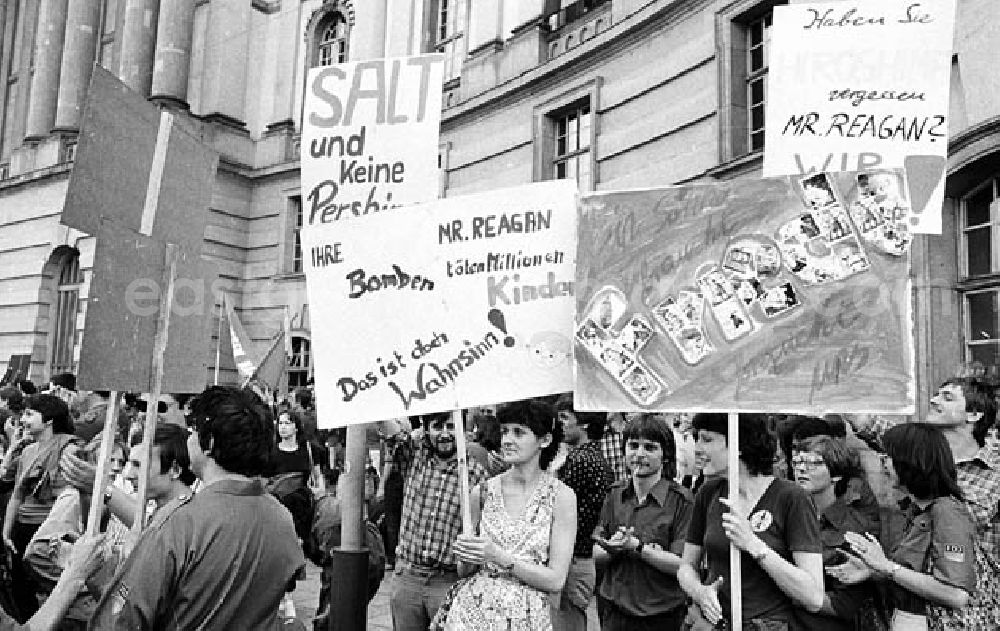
(549, 349)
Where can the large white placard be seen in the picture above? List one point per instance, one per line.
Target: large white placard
(862, 85)
(455, 303)
(370, 137)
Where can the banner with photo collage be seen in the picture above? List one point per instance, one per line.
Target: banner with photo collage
(787, 294)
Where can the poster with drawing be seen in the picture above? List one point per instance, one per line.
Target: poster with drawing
(787, 294)
(460, 302)
(859, 85)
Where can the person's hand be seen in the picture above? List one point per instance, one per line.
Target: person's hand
(87, 556)
(851, 572)
(623, 540)
(738, 529)
(473, 549)
(78, 472)
(868, 549)
(707, 599)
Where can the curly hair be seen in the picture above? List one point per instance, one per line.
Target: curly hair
(758, 445)
(235, 428)
(922, 458)
(654, 427)
(540, 418)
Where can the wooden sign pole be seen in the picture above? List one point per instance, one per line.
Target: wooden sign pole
(735, 576)
(463, 470)
(159, 348)
(103, 460)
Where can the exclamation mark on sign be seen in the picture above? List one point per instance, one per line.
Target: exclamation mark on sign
(923, 173)
(496, 318)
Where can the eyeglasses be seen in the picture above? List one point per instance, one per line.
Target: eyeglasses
(808, 463)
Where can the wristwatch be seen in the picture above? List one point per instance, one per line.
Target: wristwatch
(891, 574)
(638, 549)
(107, 495)
(759, 556)
(508, 567)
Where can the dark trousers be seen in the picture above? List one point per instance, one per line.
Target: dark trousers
(23, 585)
(614, 619)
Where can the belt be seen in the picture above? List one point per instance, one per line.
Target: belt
(426, 571)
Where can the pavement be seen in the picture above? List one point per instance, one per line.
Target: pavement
(306, 597)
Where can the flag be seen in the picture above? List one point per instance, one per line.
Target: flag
(243, 354)
(271, 369)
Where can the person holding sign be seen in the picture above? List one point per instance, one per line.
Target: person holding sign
(223, 558)
(934, 563)
(426, 565)
(526, 528)
(642, 529)
(771, 522)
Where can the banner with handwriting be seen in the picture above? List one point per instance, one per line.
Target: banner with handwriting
(785, 294)
(860, 85)
(455, 303)
(369, 137)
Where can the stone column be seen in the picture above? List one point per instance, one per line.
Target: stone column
(485, 23)
(135, 65)
(48, 57)
(83, 22)
(172, 59)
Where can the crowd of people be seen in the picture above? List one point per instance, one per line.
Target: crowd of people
(580, 520)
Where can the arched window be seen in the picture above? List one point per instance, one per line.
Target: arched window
(300, 363)
(63, 323)
(332, 47)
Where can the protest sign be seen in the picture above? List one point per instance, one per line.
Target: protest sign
(135, 165)
(784, 294)
(123, 308)
(861, 85)
(370, 136)
(459, 302)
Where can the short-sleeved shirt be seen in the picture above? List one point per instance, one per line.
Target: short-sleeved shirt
(979, 479)
(222, 559)
(432, 505)
(589, 475)
(854, 511)
(633, 585)
(783, 518)
(290, 461)
(939, 538)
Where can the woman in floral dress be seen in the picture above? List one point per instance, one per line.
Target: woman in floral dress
(526, 522)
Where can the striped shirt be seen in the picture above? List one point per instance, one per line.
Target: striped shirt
(432, 509)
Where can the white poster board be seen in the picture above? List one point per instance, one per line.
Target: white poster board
(370, 137)
(456, 303)
(862, 85)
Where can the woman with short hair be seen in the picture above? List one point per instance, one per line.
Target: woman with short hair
(934, 561)
(771, 522)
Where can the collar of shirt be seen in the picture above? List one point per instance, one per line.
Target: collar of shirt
(658, 492)
(235, 487)
(987, 456)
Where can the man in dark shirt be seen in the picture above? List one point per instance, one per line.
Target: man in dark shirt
(589, 475)
(224, 558)
(643, 525)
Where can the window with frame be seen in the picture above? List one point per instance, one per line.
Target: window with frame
(299, 363)
(449, 36)
(67, 304)
(571, 159)
(296, 216)
(758, 49)
(980, 265)
(332, 43)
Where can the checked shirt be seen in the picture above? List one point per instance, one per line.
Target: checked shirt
(432, 509)
(979, 479)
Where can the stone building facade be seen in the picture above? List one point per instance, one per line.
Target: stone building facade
(613, 93)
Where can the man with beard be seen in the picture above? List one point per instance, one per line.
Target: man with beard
(431, 519)
(641, 534)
